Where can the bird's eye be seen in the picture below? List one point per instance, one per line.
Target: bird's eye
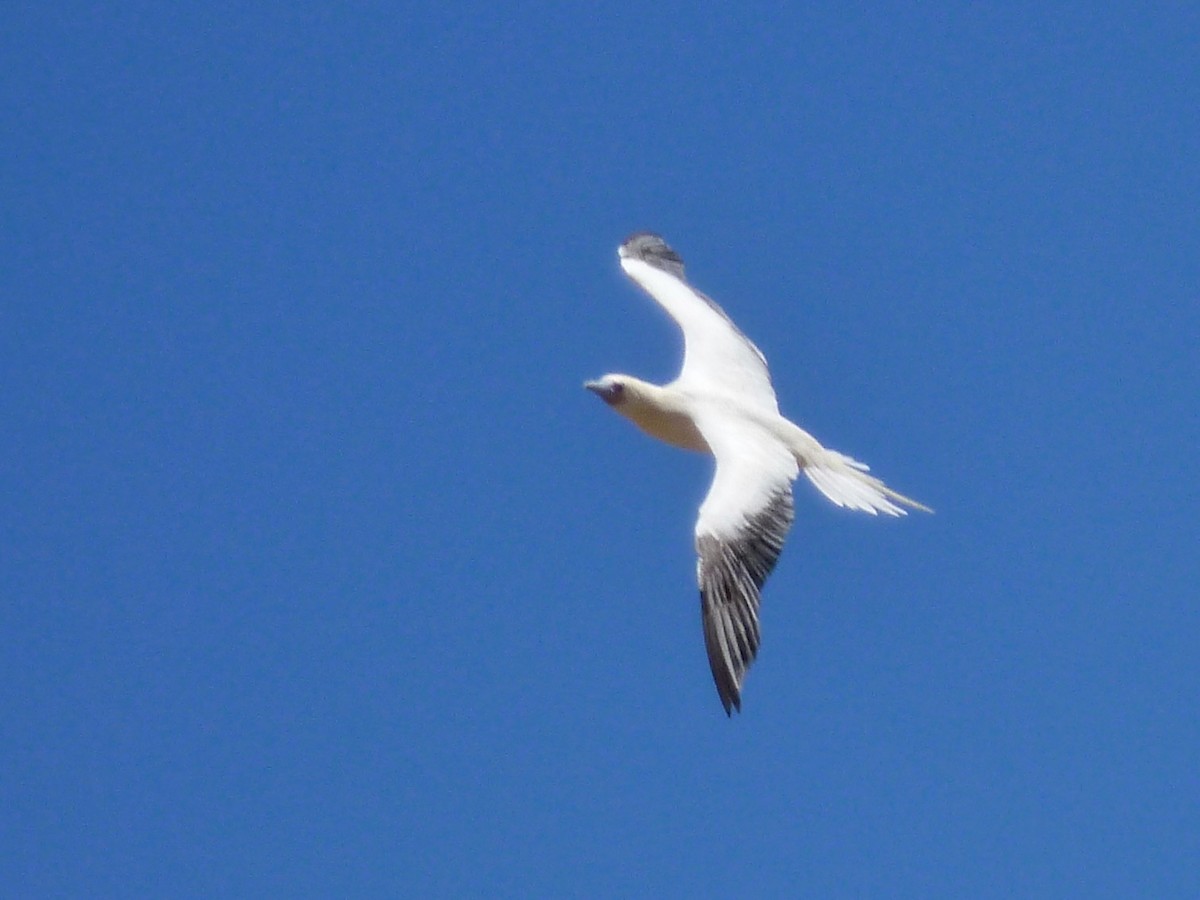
(617, 390)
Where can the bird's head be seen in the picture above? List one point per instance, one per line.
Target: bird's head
(612, 389)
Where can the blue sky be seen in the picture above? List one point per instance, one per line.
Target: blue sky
(321, 574)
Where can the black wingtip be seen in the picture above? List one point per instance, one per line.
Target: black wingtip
(651, 248)
(639, 237)
(728, 691)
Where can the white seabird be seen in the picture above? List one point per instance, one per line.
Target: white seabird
(722, 403)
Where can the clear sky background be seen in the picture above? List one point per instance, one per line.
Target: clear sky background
(321, 575)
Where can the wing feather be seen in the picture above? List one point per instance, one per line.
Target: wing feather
(740, 532)
(718, 359)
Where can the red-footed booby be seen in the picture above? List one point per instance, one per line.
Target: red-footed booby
(723, 404)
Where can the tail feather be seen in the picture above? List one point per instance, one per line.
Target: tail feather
(845, 482)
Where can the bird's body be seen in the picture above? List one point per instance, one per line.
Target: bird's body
(662, 414)
(723, 403)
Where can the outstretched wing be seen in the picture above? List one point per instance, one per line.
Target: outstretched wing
(743, 523)
(718, 359)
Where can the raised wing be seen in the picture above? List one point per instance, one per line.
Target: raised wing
(718, 359)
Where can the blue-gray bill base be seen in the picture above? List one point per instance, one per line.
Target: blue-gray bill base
(722, 403)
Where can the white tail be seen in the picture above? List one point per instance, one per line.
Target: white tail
(844, 480)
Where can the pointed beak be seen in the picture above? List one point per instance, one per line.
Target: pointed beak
(610, 392)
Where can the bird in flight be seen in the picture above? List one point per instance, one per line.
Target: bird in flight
(722, 403)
